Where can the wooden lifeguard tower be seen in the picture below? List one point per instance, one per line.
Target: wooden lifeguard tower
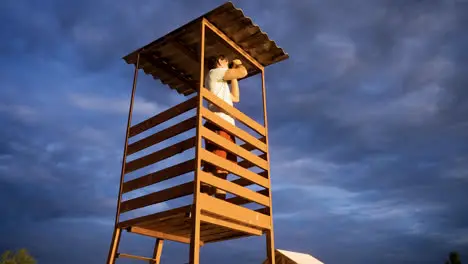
(177, 60)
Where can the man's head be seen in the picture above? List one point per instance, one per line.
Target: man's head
(219, 61)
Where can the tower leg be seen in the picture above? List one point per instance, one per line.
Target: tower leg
(195, 238)
(158, 250)
(114, 245)
(270, 247)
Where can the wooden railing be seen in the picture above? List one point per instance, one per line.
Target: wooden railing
(160, 155)
(231, 212)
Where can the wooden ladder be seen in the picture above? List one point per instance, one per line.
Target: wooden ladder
(155, 259)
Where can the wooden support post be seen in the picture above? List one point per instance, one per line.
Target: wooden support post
(270, 238)
(117, 231)
(196, 213)
(158, 250)
(114, 245)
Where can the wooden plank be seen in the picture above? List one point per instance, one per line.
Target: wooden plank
(234, 189)
(163, 116)
(232, 147)
(234, 168)
(270, 241)
(229, 236)
(247, 164)
(158, 197)
(159, 176)
(162, 135)
(114, 245)
(157, 234)
(244, 136)
(123, 255)
(155, 217)
(233, 44)
(160, 155)
(232, 111)
(241, 200)
(230, 225)
(249, 147)
(233, 212)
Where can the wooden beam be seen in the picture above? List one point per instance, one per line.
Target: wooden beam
(233, 44)
(235, 235)
(114, 245)
(247, 164)
(176, 212)
(244, 136)
(158, 197)
(162, 135)
(270, 241)
(156, 234)
(235, 189)
(235, 113)
(123, 255)
(232, 147)
(164, 116)
(241, 200)
(233, 212)
(249, 147)
(195, 242)
(160, 155)
(230, 225)
(159, 176)
(157, 252)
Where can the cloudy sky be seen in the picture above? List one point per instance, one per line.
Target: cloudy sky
(368, 124)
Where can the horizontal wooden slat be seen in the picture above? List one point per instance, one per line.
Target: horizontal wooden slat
(176, 212)
(235, 113)
(249, 147)
(163, 116)
(160, 155)
(123, 255)
(231, 236)
(159, 176)
(247, 164)
(157, 197)
(233, 188)
(230, 225)
(157, 234)
(241, 200)
(232, 147)
(235, 213)
(162, 135)
(233, 168)
(244, 136)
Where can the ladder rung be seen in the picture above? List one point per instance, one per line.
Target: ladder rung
(123, 255)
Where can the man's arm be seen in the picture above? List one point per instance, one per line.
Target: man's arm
(235, 90)
(237, 72)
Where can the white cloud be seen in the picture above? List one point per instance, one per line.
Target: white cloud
(114, 105)
(23, 113)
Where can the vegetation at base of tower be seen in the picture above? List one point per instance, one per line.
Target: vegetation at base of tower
(454, 258)
(21, 256)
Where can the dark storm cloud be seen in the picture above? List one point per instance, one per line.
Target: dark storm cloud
(367, 125)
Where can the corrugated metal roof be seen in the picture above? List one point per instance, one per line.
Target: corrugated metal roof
(173, 59)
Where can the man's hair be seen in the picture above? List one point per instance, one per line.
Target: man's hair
(212, 62)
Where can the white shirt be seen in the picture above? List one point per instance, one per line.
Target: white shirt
(214, 81)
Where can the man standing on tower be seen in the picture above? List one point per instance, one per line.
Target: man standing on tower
(217, 82)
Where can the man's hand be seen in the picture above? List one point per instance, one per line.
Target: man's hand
(237, 62)
(238, 71)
